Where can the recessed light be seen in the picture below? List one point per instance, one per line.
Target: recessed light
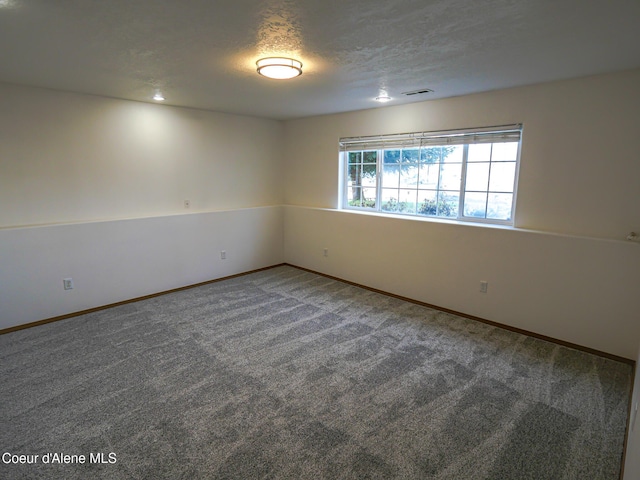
(383, 98)
(279, 68)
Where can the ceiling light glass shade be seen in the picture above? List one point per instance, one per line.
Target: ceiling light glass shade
(158, 97)
(279, 67)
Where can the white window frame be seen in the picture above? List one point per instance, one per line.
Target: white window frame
(465, 137)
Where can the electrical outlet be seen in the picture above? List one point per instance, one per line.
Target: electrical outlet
(325, 252)
(67, 283)
(484, 285)
(223, 255)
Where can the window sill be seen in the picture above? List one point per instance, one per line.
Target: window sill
(417, 218)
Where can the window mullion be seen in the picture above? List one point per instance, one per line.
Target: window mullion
(379, 180)
(440, 165)
(486, 203)
(463, 180)
(345, 175)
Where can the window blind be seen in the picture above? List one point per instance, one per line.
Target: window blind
(505, 133)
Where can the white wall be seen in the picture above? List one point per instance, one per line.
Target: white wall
(67, 157)
(93, 189)
(567, 272)
(579, 168)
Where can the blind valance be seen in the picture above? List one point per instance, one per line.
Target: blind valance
(505, 133)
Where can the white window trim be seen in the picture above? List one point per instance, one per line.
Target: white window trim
(443, 137)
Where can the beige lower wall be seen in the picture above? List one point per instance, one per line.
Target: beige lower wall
(118, 260)
(580, 290)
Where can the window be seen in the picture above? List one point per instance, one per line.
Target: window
(463, 174)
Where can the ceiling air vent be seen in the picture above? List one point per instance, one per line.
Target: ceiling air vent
(418, 92)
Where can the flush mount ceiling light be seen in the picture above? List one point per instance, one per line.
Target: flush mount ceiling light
(383, 98)
(158, 97)
(279, 67)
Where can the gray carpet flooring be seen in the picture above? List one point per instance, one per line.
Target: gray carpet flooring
(284, 374)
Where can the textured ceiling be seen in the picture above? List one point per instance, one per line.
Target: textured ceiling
(202, 53)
